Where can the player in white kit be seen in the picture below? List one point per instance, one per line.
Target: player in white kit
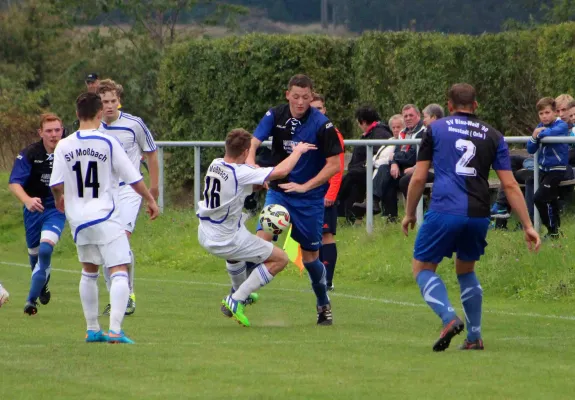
(136, 140)
(222, 231)
(87, 168)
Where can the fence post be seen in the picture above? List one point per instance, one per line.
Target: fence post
(197, 177)
(161, 178)
(419, 209)
(369, 190)
(536, 217)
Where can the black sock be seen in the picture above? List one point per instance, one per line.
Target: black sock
(328, 256)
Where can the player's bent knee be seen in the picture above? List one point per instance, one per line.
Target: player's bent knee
(327, 238)
(464, 267)
(118, 268)
(49, 237)
(90, 268)
(419, 266)
(277, 261)
(265, 235)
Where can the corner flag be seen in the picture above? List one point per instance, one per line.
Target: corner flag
(293, 250)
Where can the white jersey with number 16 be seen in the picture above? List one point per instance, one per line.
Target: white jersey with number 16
(226, 186)
(90, 164)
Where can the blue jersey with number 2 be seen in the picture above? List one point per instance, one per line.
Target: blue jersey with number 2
(463, 149)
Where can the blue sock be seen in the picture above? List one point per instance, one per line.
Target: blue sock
(41, 271)
(472, 299)
(328, 256)
(435, 294)
(33, 261)
(317, 273)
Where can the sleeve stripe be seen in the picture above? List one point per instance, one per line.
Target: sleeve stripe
(149, 137)
(267, 176)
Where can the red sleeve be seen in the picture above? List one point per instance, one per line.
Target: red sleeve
(335, 181)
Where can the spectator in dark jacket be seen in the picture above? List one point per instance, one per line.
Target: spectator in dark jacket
(386, 184)
(353, 184)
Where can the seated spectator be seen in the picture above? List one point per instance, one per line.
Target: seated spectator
(431, 113)
(383, 157)
(386, 182)
(353, 183)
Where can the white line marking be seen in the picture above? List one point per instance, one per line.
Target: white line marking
(343, 295)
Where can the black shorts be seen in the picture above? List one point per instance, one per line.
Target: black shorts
(330, 220)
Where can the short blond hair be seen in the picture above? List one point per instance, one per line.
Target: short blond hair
(108, 85)
(563, 99)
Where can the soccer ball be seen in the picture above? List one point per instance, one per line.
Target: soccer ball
(274, 219)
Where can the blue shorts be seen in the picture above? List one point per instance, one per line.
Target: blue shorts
(35, 222)
(441, 235)
(330, 220)
(306, 217)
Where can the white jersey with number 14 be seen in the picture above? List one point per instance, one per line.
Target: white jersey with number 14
(90, 164)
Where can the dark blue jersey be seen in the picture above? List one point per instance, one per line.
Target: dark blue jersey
(32, 170)
(463, 150)
(285, 131)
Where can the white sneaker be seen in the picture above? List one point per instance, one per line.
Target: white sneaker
(4, 295)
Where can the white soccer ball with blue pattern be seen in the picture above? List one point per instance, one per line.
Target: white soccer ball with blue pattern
(274, 219)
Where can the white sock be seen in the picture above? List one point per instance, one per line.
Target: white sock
(119, 295)
(107, 278)
(89, 298)
(237, 273)
(258, 278)
(131, 268)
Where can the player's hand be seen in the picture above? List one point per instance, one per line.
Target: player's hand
(394, 171)
(153, 210)
(60, 205)
(407, 223)
(155, 192)
(303, 148)
(532, 239)
(328, 202)
(34, 204)
(293, 187)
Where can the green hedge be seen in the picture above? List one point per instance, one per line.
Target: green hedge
(207, 87)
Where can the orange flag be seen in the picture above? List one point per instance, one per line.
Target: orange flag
(293, 250)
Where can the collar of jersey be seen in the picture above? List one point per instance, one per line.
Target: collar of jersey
(110, 124)
(304, 118)
(464, 114)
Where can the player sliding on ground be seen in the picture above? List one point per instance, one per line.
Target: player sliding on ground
(222, 231)
(462, 149)
(87, 168)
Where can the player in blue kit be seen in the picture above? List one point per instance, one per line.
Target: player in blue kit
(462, 149)
(302, 192)
(29, 182)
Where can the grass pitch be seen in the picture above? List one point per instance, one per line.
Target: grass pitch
(379, 346)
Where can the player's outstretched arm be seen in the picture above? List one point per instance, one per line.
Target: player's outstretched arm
(414, 193)
(286, 166)
(331, 168)
(517, 203)
(251, 160)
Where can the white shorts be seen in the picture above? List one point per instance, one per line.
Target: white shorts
(130, 202)
(115, 253)
(244, 246)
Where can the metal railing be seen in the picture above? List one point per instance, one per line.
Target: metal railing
(369, 144)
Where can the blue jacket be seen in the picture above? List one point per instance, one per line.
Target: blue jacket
(555, 156)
